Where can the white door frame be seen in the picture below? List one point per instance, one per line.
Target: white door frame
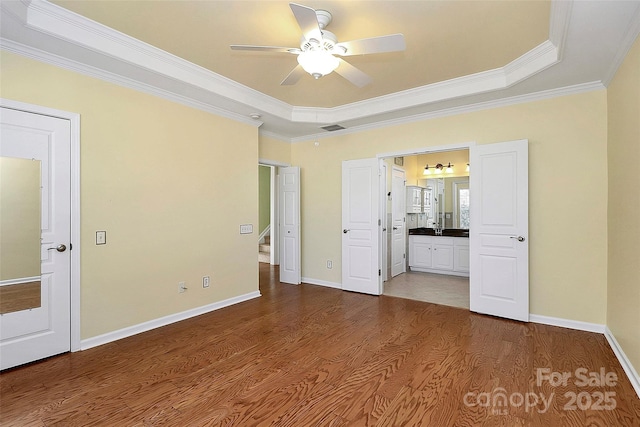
(424, 150)
(74, 119)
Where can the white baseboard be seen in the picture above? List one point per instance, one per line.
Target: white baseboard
(566, 323)
(632, 374)
(163, 321)
(311, 281)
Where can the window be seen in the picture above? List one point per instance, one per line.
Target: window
(463, 208)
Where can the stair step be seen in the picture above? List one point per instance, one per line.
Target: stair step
(264, 248)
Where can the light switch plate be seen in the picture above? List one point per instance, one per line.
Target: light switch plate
(101, 237)
(246, 228)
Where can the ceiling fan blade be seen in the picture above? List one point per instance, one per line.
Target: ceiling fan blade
(307, 20)
(390, 43)
(352, 74)
(265, 48)
(293, 76)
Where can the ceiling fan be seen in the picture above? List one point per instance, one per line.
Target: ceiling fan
(319, 53)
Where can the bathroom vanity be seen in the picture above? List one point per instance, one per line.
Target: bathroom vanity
(442, 254)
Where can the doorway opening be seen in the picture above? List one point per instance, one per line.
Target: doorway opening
(266, 203)
(434, 205)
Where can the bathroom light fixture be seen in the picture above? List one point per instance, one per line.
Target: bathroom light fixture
(437, 169)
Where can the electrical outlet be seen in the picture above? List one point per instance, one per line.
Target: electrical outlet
(329, 264)
(246, 228)
(181, 287)
(206, 281)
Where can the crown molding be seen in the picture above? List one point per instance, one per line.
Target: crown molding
(470, 108)
(49, 58)
(275, 136)
(559, 21)
(532, 62)
(69, 26)
(631, 34)
(128, 62)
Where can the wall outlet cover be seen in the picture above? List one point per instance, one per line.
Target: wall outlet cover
(101, 237)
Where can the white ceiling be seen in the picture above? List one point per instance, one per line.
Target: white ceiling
(460, 56)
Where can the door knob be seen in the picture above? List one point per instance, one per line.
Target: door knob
(346, 230)
(59, 248)
(395, 228)
(520, 238)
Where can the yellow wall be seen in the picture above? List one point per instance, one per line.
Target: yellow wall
(623, 314)
(567, 189)
(168, 185)
(274, 150)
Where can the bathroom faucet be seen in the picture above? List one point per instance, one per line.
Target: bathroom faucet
(438, 229)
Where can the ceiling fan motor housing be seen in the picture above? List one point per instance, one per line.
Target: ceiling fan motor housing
(328, 42)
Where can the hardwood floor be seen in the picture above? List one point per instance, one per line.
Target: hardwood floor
(308, 355)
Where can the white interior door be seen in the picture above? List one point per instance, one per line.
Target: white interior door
(398, 221)
(35, 262)
(360, 222)
(289, 199)
(499, 258)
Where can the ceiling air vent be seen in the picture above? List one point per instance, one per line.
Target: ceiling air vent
(332, 128)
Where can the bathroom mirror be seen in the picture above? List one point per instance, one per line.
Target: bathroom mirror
(449, 201)
(20, 221)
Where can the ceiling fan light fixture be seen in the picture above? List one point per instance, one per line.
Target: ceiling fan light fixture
(318, 63)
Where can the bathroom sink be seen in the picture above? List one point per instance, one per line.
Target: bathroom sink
(451, 232)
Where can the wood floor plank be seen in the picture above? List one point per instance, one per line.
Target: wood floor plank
(315, 356)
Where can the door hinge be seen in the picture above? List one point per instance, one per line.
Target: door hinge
(379, 272)
(404, 256)
(70, 246)
(379, 222)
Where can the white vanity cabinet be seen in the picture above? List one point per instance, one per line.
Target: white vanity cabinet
(442, 254)
(461, 255)
(438, 254)
(420, 252)
(414, 199)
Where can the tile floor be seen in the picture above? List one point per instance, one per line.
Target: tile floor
(440, 289)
